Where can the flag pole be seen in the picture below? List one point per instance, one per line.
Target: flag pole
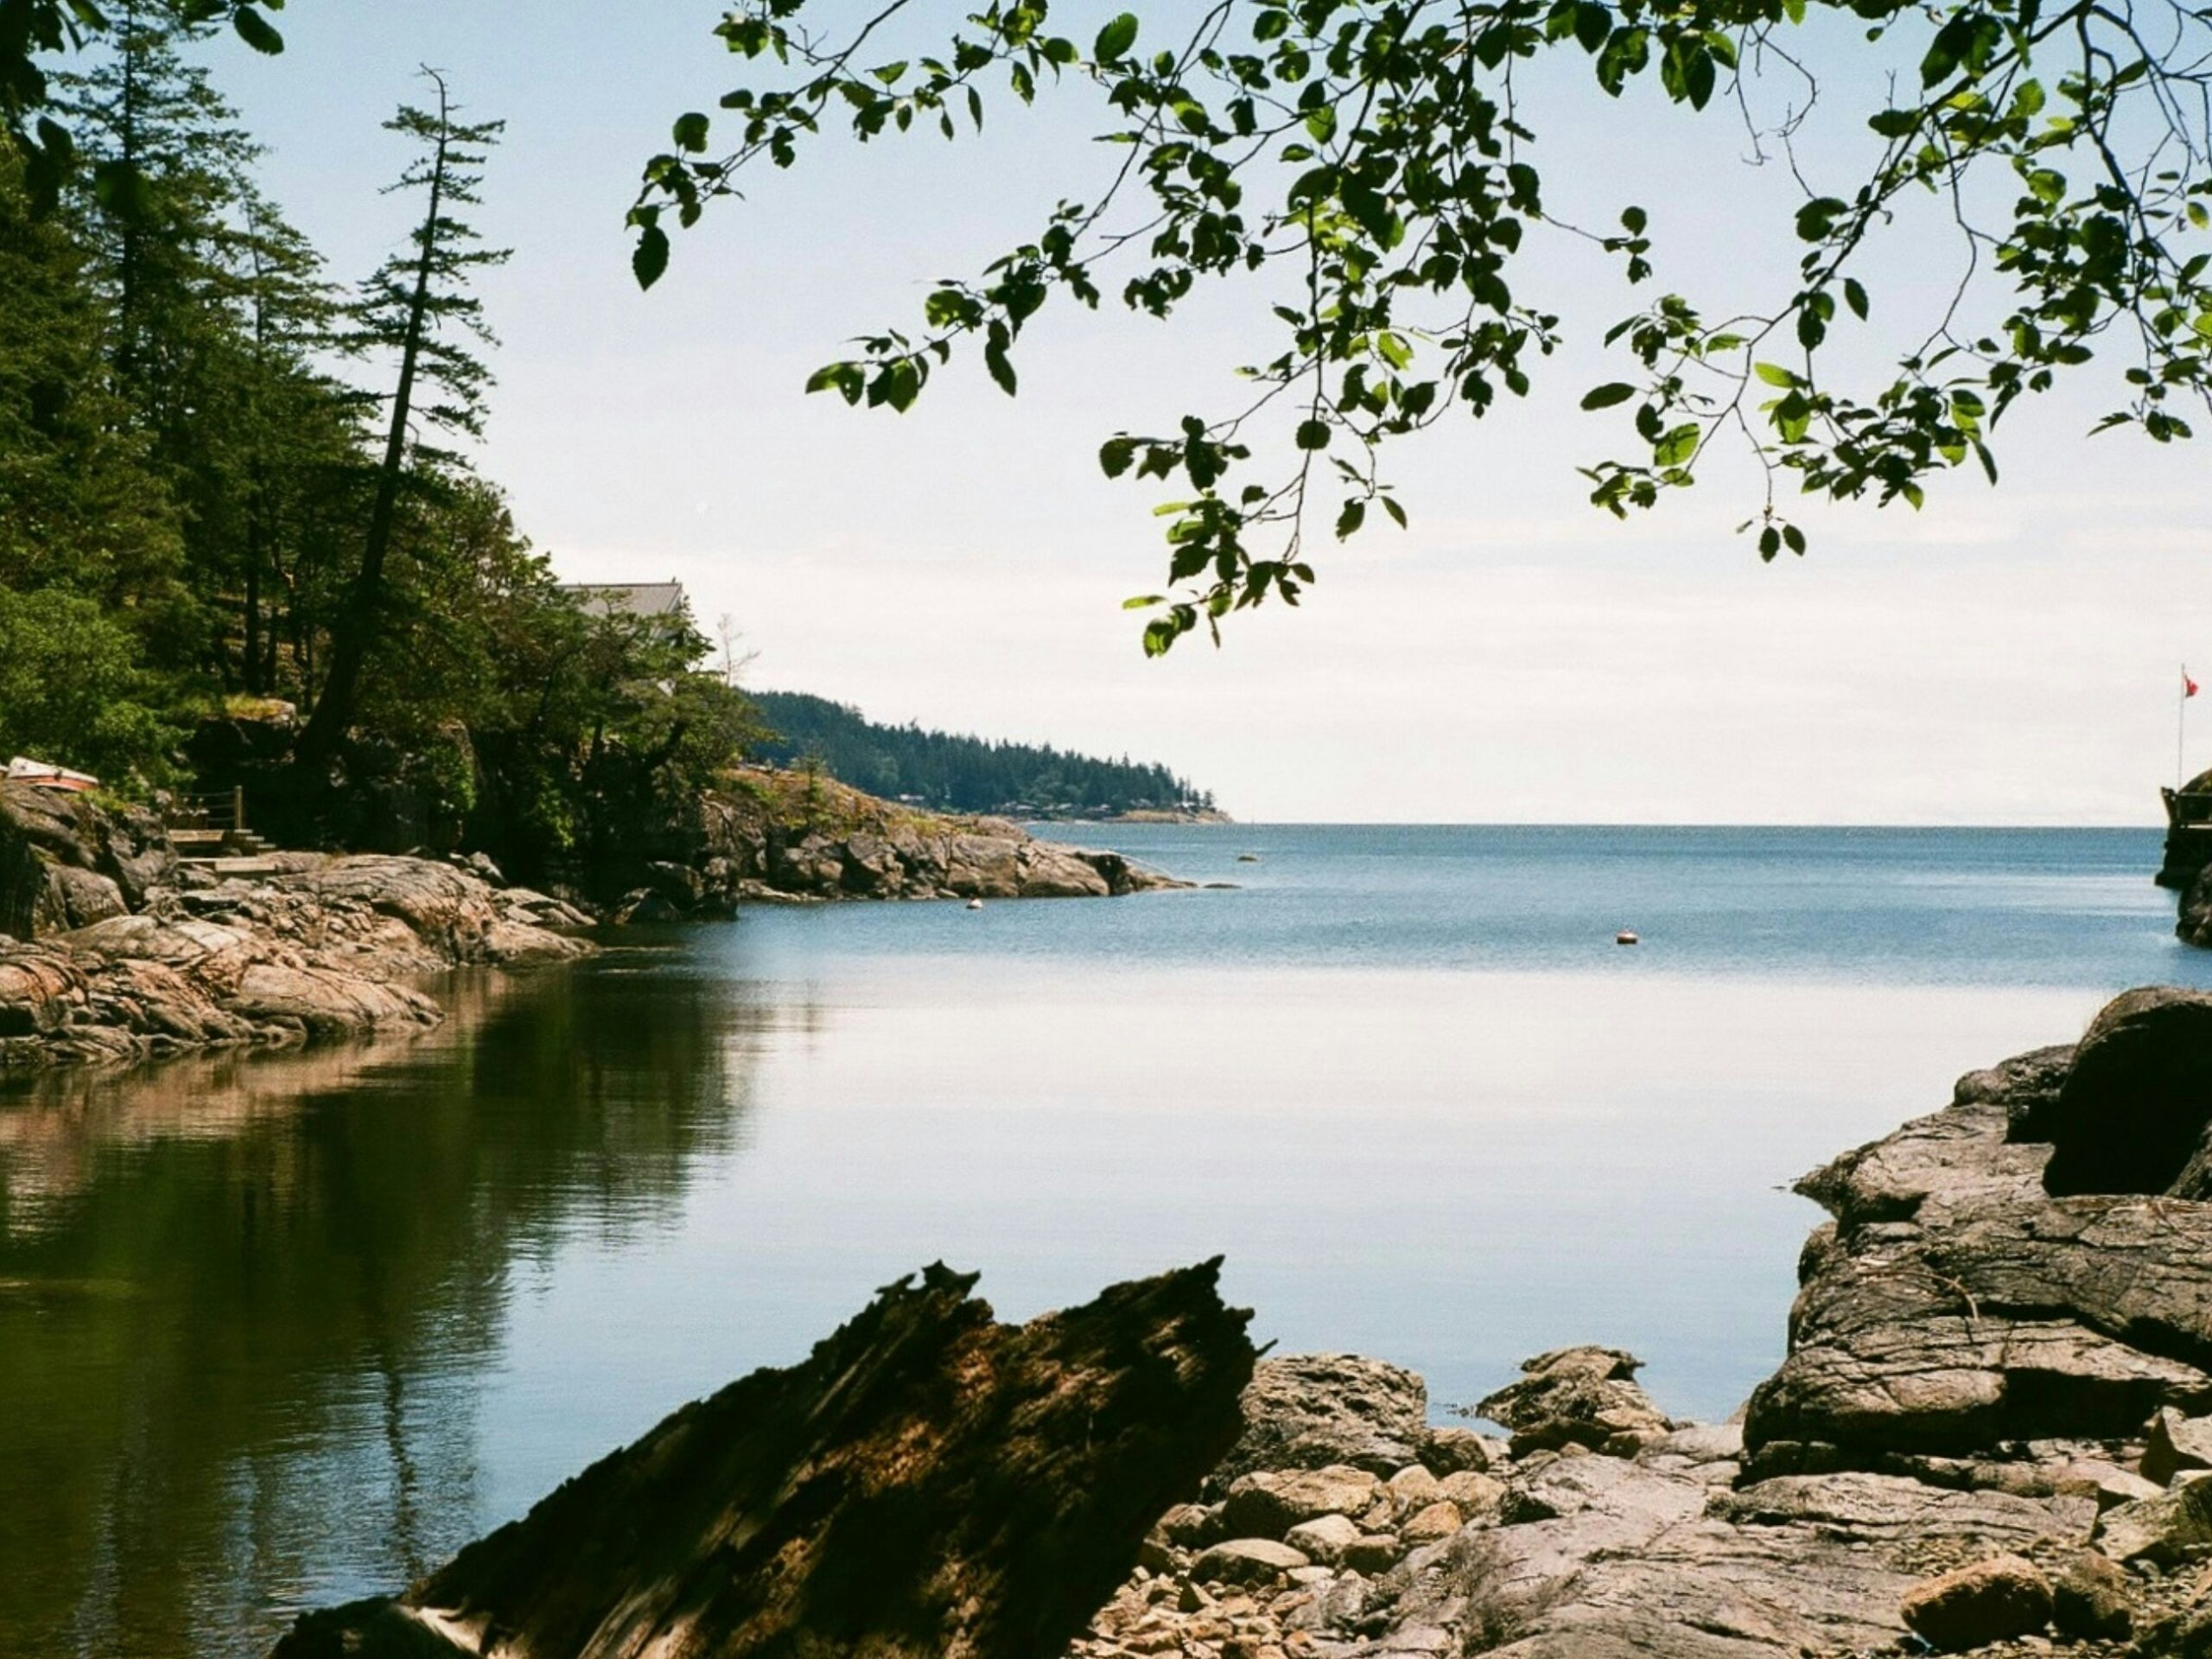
(2181, 726)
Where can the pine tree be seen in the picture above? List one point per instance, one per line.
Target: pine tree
(419, 306)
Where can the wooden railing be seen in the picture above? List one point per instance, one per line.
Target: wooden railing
(207, 817)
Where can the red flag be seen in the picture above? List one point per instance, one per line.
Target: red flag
(2188, 685)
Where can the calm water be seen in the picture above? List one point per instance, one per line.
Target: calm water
(278, 1331)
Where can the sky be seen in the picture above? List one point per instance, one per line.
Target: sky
(2008, 656)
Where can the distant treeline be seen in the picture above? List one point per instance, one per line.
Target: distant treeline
(963, 774)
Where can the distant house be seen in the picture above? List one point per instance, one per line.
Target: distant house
(640, 598)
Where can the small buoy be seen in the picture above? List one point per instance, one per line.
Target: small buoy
(975, 904)
(1624, 937)
(1248, 858)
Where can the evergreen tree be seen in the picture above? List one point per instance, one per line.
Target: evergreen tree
(419, 307)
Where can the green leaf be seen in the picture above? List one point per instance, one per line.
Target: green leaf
(1353, 516)
(1115, 455)
(1391, 506)
(650, 259)
(1775, 375)
(1605, 396)
(257, 31)
(1002, 367)
(1115, 39)
(1854, 296)
(1144, 601)
(1313, 434)
(1816, 218)
(1794, 538)
(692, 132)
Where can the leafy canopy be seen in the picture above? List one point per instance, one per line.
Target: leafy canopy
(1367, 168)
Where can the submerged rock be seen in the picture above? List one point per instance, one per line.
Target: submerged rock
(926, 1482)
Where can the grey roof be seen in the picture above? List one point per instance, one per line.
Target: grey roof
(635, 598)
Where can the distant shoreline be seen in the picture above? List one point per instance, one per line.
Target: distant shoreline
(1136, 814)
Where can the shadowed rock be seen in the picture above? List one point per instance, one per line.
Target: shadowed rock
(926, 1482)
(1970, 1293)
(2131, 1115)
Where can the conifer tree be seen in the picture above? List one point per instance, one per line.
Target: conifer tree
(419, 307)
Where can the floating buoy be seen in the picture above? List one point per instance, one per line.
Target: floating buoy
(1248, 858)
(975, 904)
(1624, 937)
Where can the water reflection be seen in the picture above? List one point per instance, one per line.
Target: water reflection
(245, 1304)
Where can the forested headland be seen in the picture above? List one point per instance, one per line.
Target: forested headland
(963, 773)
(240, 531)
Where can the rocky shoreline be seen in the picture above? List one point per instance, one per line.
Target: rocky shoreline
(1993, 1433)
(772, 836)
(113, 949)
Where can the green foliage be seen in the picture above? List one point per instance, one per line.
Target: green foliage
(196, 518)
(1379, 156)
(418, 310)
(44, 147)
(71, 691)
(959, 774)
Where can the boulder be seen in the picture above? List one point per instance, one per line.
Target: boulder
(1245, 1560)
(39, 990)
(1372, 1553)
(2132, 1113)
(1956, 1305)
(2175, 1443)
(1972, 1607)
(65, 861)
(83, 897)
(1049, 870)
(1414, 1487)
(2162, 1530)
(2090, 1599)
(1582, 1397)
(1448, 1451)
(1307, 1411)
(2027, 1085)
(1191, 1526)
(1323, 1539)
(1430, 1524)
(1265, 1505)
(1477, 1496)
(927, 1481)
